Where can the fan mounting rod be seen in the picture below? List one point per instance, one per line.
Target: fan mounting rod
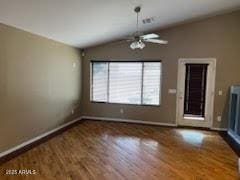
(137, 10)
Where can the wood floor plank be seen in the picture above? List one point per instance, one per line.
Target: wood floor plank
(107, 150)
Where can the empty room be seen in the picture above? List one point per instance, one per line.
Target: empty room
(130, 89)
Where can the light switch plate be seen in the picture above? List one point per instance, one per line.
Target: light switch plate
(74, 65)
(172, 91)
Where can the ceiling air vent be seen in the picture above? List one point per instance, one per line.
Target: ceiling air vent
(148, 20)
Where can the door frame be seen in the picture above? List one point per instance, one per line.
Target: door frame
(210, 92)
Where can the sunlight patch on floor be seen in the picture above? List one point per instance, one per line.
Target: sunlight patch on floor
(192, 136)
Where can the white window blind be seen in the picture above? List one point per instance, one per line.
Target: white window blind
(151, 83)
(99, 82)
(126, 82)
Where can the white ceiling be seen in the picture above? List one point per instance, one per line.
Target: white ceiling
(84, 23)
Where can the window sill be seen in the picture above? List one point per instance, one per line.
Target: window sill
(147, 105)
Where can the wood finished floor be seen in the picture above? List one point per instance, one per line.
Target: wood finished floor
(105, 150)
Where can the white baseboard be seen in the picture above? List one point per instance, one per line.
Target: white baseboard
(128, 121)
(4, 153)
(37, 138)
(218, 129)
(140, 122)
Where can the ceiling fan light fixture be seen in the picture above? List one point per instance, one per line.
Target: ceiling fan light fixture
(137, 45)
(133, 45)
(138, 38)
(141, 45)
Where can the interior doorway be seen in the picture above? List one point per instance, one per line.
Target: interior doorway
(195, 93)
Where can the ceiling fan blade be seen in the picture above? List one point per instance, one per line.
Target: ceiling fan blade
(149, 36)
(127, 39)
(158, 41)
(120, 41)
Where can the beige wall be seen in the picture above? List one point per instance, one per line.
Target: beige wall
(217, 37)
(38, 85)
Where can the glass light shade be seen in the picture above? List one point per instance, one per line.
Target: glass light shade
(137, 45)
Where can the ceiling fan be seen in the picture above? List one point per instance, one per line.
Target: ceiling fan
(138, 38)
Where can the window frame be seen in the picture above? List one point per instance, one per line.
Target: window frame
(124, 61)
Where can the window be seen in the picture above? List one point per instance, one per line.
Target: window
(100, 79)
(126, 82)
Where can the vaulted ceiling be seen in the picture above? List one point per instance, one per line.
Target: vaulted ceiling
(84, 23)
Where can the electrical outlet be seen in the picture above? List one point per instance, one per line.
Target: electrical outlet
(121, 111)
(220, 93)
(72, 111)
(219, 118)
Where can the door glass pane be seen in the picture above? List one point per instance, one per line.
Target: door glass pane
(195, 89)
